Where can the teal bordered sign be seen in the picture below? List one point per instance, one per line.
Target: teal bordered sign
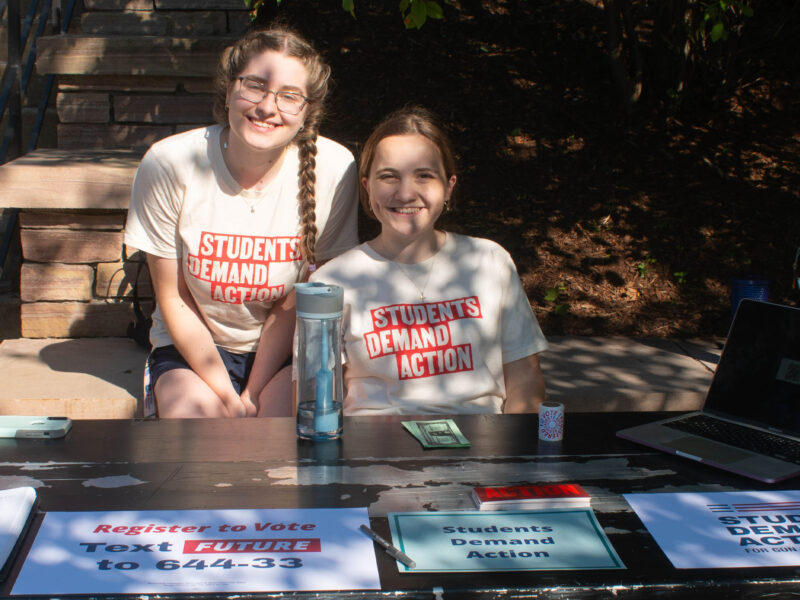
(555, 539)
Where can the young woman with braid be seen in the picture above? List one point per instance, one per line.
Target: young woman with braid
(230, 217)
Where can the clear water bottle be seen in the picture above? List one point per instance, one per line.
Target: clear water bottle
(319, 361)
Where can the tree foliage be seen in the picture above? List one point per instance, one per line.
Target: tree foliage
(664, 52)
(413, 12)
(689, 54)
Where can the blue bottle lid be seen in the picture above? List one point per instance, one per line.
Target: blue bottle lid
(316, 300)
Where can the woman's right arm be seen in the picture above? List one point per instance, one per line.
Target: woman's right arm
(188, 332)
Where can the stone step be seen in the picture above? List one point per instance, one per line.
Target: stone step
(199, 23)
(129, 55)
(69, 179)
(75, 277)
(97, 378)
(75, 319)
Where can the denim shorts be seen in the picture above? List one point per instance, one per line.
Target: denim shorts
(166, 358)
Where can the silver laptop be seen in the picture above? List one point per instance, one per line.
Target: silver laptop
(750, 421)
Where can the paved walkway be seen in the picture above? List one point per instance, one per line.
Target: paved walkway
(625, 374)
(102, 377)
(86, 378)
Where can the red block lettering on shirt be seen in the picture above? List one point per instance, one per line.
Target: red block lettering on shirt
(238, 266)
(425, 313)
(427, 363)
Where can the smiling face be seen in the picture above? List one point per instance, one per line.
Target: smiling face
(261, 126)
(407, 187)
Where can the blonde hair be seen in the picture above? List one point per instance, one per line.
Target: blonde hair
(287, 42)
(409, 120)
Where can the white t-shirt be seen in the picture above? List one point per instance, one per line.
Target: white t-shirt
(239, 249)
(441, 355)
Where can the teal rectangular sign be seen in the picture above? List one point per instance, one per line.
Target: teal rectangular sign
(555, 539)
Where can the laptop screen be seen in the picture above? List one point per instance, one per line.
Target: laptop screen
(758, 375)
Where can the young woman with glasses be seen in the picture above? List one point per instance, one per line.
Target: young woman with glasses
(230, 217)
(434, 322)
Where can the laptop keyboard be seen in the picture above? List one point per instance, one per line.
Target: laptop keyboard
(739, 436)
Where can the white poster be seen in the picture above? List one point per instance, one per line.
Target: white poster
(723, 529)
(152, 552)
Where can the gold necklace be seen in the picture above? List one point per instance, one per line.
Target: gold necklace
(251, 206)
(421, 290)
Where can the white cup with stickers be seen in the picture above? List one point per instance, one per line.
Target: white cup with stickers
(551, 421)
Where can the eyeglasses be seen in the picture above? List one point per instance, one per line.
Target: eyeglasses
(255, 91)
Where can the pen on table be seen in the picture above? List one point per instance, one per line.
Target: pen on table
(390, 550)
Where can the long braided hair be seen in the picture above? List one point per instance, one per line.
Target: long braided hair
(284, 40)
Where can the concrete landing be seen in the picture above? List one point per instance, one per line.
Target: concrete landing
(101, 378)
(86, 378)
(624, 374)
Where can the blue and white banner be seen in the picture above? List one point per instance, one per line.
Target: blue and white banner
(723, 529)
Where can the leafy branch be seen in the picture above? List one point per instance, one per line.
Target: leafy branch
(413, 12)
(644, 265)
(721, 16)
(552, 294)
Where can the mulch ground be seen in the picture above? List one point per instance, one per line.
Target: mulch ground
(620, 223)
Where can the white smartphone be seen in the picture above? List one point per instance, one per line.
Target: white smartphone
(13, 426)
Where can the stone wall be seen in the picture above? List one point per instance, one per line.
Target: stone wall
(129, 101)
(129, 72)
(77, 277)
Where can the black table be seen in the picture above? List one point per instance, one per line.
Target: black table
(259, 463)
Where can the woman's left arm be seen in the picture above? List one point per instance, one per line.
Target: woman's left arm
(524, 385)
(274, 347)
(339, 233)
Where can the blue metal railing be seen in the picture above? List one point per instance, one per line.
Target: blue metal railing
(16, 78)
(5, 244)
(15, 82)
(13, 91)
(48, 84)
